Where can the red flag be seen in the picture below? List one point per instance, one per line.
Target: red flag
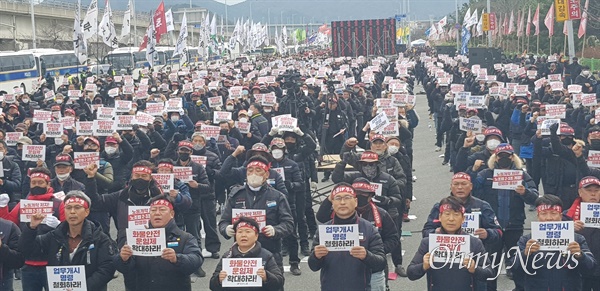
(583, 22)
(549, 20)
(145, 41)
(160, 21)
(536, 20)
(528, 29)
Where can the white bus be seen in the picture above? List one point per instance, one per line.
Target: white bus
(132, 58)
(25, 67)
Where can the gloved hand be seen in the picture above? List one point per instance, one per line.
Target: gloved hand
(298, 132)
(554, 128)
(229, 230)
(274, 131)
(384, 200)
(4, 199)
(51, 221)
(313, 186)
(268, 231)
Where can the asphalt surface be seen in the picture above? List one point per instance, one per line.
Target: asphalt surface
(433, 182)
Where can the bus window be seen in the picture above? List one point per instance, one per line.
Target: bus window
(6, 63)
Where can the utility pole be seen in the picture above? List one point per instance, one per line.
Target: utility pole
(33, 25)
(489, 32)
(571, 40)
(456, 26)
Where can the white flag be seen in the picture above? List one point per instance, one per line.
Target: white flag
(90, 23)
(79, 44)
(106, 29)
(284, 35)
(151, 53)
(126, 22)
(180, 47)
(213, 25)
(169, 20)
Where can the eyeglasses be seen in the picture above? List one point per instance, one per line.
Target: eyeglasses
(345, 198)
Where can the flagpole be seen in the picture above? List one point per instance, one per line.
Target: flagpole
(550, 45)
(538, 44)
(583, 45)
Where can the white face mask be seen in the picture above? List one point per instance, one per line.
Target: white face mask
(62, 177)
(393, 150)
(229, 107)
(254, 181)
(277, 154)
(58, 141)
(144, 130)
(250, 112)
(174, 118)
(480, 137)
(267, 110)
(59, 101)
(492, 144)
(110, 150)
(379, 152)
(243, 119)
(25, 100)
(305, 92)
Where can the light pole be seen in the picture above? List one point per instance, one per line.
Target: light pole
(33, 25)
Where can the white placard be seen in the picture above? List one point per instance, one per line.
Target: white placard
(507, 179)
(590, 214)
(138, 217)
(473, 124)
(165, 181)
(12, 138)
(125, 122)
(260, 215)
(546, 124)
(242, 272)
(339, 237)
(33, 153)
(553, 236)
(104, 127)
(173, 105)
(461, 99)
(66, 278)
(287, 123)
(41, 116)
(556, 111)
(53, 129)
(155, 109)
(219, 116)
(106, 113)
(84, 127)
(147, 242)
(477, 102)
(28, 208)
(593, 159)
(210, 131)
(449, 247)
(199, 159)
(471, 223)
(244, 127)
(83, 159)
(214, 102)
(184, 174)
(123, 106)
(379, 122)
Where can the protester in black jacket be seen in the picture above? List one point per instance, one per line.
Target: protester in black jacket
(11, 257)
(170, 271)
(247, 246)
(93, 248)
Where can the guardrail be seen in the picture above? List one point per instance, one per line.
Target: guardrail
(60, 9)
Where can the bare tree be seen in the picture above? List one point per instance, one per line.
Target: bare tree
(55, 35)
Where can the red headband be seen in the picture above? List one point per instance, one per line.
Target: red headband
(461, 175)
(258, 164)
(549, 207)
(361, 186)
(166, 165)
(77, 200)
(343, 189)
(141, 170)
(40, 175)
(247, 225)
(445, 207)
(162, 202)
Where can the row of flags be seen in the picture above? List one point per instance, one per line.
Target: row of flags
(248, 34)
(506, 24)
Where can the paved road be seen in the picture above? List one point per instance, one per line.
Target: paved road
(432, 185)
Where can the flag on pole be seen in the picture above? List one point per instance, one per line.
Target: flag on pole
(443, 22)
(480, 24)
(181, 45)
(511, 23)
(160, 22)
(528, 29)
(549, 20)
(565, 30)
(505, 24)
(536, 20)
(126, 22)
(522, 24)
(151, 53)
(90, 22)
(519, 24)
(169, 20)
(467, 17)
(79, 44)
(106, 29)
(583, 22)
